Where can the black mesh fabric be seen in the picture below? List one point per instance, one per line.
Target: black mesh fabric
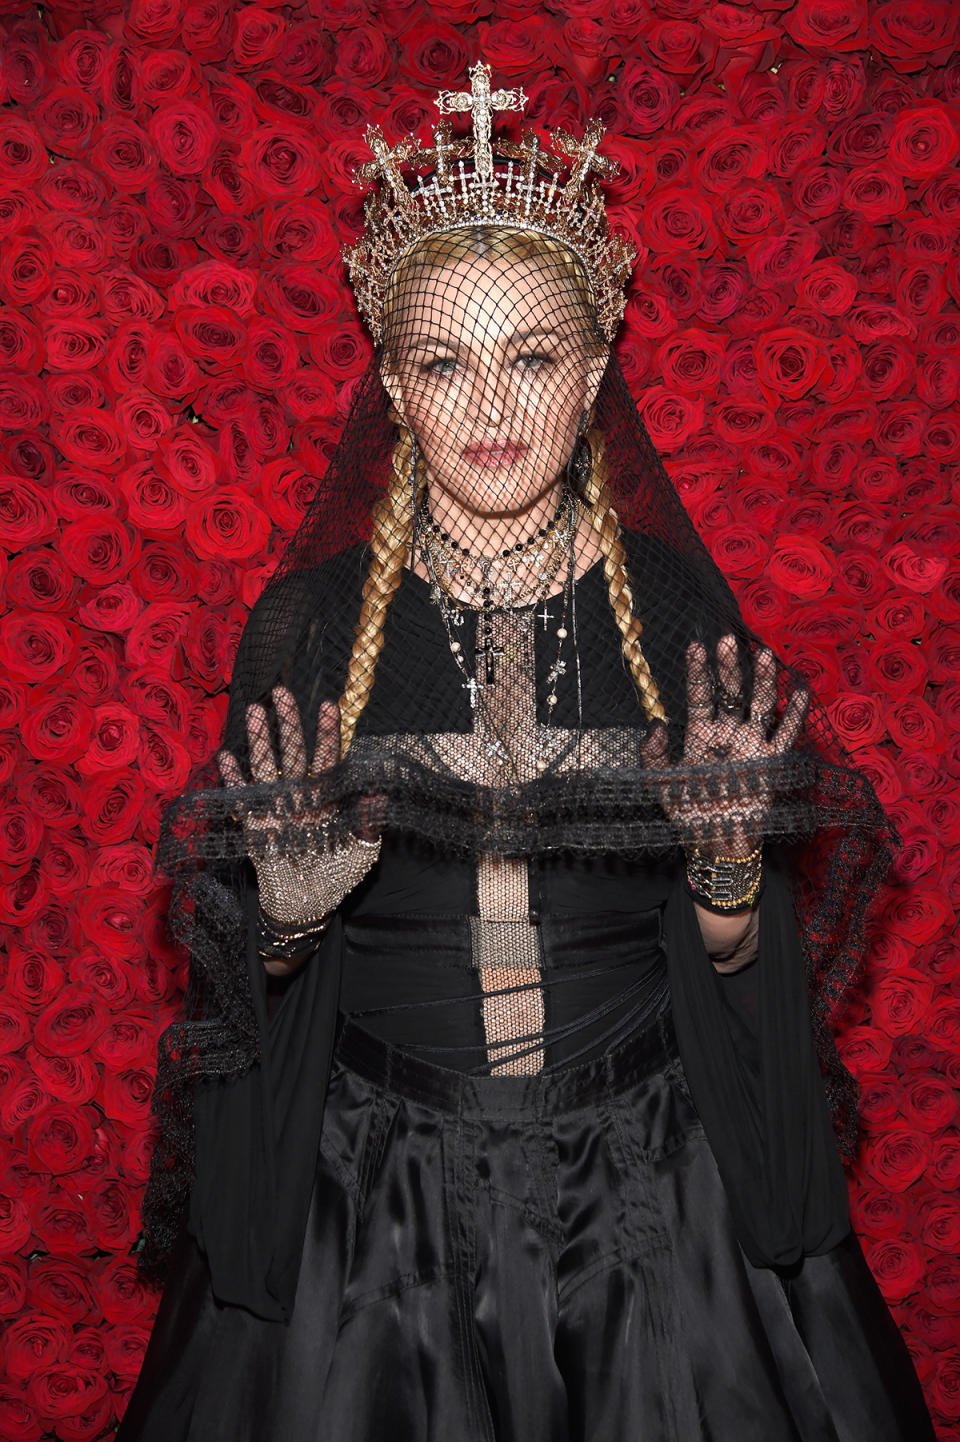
(495, 466)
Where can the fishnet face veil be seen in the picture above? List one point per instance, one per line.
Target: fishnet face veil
(496, 472)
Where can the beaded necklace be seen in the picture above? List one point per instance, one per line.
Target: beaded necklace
(448, 565)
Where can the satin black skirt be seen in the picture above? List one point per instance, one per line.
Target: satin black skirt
(527, 1259)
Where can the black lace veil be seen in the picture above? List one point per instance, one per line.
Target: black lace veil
(495, 458)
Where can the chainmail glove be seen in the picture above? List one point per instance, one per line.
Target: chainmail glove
(298, 891)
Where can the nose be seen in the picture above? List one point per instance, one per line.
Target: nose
(489, 398)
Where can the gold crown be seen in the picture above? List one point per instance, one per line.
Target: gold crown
(504, 183)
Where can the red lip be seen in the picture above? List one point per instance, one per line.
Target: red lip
(495, 453)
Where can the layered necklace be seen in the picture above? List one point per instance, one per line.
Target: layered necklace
(462, 581)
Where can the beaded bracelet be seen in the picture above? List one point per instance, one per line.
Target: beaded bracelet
(284, 942)
(725, 883)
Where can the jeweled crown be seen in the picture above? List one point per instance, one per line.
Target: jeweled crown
(481, 181)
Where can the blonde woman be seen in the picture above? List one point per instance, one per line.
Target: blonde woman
(497, 1083)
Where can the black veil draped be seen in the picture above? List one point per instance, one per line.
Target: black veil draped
(239, 1096)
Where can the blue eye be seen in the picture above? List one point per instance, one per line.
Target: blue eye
(533, 360)
(442, 365)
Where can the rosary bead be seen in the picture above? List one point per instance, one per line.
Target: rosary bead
(562, 633)
(551, 700)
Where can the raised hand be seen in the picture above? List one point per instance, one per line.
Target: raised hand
(722, 727)
(297, 888)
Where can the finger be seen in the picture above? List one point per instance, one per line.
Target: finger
(293, 751)
(326, 752)
(230, 772)
(728, 667)
(789, 728)
(263, 763)
(371, 812)
(763, 703)
(654, 749)
(699, 686)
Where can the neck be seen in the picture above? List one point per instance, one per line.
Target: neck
(484, 534)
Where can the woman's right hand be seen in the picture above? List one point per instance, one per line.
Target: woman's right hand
(297, 889)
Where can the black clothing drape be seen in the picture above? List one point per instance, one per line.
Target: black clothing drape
(761, 1102)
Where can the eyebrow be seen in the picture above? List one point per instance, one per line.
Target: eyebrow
(519, 337)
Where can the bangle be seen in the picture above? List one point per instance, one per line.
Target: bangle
(725, 883)
(285, 941)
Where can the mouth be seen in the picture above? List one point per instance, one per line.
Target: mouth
(494, 454)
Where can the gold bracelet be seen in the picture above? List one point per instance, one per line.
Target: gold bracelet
(729, 883)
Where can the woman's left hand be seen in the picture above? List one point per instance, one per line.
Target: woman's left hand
(721, 727)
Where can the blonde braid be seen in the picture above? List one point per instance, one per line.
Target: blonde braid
(392, 529)
(604, 521)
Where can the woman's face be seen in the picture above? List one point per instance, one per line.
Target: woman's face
(492, 364)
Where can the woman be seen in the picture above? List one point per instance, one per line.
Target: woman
(526, 1137)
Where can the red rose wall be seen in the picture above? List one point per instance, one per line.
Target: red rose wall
(178, 348)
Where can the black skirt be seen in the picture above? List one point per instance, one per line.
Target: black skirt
(527, 1259)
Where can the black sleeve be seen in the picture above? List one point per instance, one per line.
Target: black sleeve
(747, 1048)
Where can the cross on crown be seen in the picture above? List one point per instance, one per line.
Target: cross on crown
(477, 180)
(482, 102)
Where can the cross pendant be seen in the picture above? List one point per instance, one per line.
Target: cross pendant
(490, 652)
(474, 687)
(544, 615)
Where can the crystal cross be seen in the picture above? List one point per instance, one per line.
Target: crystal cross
(584, 155)
(387, 162)
(482, 103)
(474, 687)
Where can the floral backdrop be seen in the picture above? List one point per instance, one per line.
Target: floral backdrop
(178, 349)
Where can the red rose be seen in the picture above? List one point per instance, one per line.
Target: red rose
(124, 154)
(126, 1043)
(13, 1287)
(114, 608)
(112, 1212)
(910, 35)
(889, 368)
(125, 1095)
(301, 298)
(919, 915)
(59, 1139)
(164, 761)
(929, 1103)
(96, 968)
(913, 723)
(740, 550)
(691, 361)
(33, 978)
(879, 1106)
(110, 918)
(36, 647)
(71, 1079)
(111, 806)
(227, 525)
(670, 418)
(66, 1391)
(71, 1022)
(60, 1288)
(897, 1158)
(25, 517)
(898, 1266)
(14, 1225)
(900, 1002)
(60, 1223)
(123, 1296)
(18, 1421)
(865, 1050)
(40, 581)
(125, 1347)
(678, 219)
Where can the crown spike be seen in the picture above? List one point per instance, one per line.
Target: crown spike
(482, 103)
